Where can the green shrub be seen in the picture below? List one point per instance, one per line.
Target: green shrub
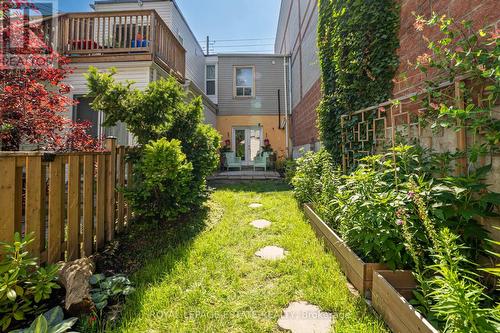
(367, 218)
(162, 186)
(23, 284)
(162, 111)
(307, 178)
(286, 168)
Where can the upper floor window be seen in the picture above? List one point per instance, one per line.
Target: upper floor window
(244, 81)
(210, 80)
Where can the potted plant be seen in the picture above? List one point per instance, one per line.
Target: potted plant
(226, 148)
(267, 148)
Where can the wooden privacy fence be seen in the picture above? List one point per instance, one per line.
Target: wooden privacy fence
(71, 202)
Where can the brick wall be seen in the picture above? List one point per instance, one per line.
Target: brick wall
(482, 12)
(304, 129)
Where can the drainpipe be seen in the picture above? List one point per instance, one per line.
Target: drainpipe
(285, 81)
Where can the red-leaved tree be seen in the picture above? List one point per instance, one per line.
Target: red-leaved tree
(34, 100)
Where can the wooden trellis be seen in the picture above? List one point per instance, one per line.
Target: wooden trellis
(375, 129)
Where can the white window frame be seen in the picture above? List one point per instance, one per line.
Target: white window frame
(207, 79)
(235, 95)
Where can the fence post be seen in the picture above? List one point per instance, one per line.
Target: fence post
(7, 198)
(101, 201)
(73, 206)
(111, 189)
(130, 176)
(88, 203)
(34, 203)
(56, 206)
(121, 185)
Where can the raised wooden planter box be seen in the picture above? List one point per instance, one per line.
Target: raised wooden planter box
(391, 293)
(359, 273)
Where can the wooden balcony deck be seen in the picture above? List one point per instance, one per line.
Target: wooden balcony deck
(121, 36)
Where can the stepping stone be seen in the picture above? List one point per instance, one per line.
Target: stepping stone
(261, 224)
(271, 253)
(302, 317)
(255, 205)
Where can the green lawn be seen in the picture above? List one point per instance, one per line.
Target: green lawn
(207, 278)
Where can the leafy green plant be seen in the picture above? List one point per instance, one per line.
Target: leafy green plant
(106, 290)
(23, 284)
(51, 321)
(306, 180)
(449, 291)
(162, 189)
(461, 53)
(367, 216)
(458, 297)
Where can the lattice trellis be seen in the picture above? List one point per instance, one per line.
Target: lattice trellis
(372, 130)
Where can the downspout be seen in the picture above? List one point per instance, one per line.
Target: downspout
(285, 81)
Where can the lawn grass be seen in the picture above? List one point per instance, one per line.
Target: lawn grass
(211, 281)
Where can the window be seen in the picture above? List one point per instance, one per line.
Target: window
(244, 81)
(83, 112)
(210, 82)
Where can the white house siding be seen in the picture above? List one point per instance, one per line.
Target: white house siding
(138, 72)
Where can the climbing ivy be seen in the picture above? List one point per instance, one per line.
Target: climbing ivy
(357, 42)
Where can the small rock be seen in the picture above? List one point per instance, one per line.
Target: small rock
(302, 317)
(74, 276)
(271, 253)
(261, 224)
(255, 205)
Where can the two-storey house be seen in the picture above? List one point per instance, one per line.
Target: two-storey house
(246, 96)
(251, 92)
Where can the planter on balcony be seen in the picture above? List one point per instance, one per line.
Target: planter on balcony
(391, 293)
(359, 273)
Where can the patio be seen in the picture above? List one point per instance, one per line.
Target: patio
(249, 174)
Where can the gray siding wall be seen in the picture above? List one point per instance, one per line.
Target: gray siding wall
(296, 36)
(268, 79)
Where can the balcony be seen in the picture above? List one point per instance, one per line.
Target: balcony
(121, 36)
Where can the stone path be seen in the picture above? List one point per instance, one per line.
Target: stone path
(271, 253)
(255, 205)
(302, 317)
(298, 317)
(261, 224)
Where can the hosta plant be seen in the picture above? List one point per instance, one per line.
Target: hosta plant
(109, 289)
(51, 321)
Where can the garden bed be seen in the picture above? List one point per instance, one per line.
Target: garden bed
(391, 293)
(359, 273)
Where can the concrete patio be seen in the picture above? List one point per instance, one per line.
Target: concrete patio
(245, 175)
